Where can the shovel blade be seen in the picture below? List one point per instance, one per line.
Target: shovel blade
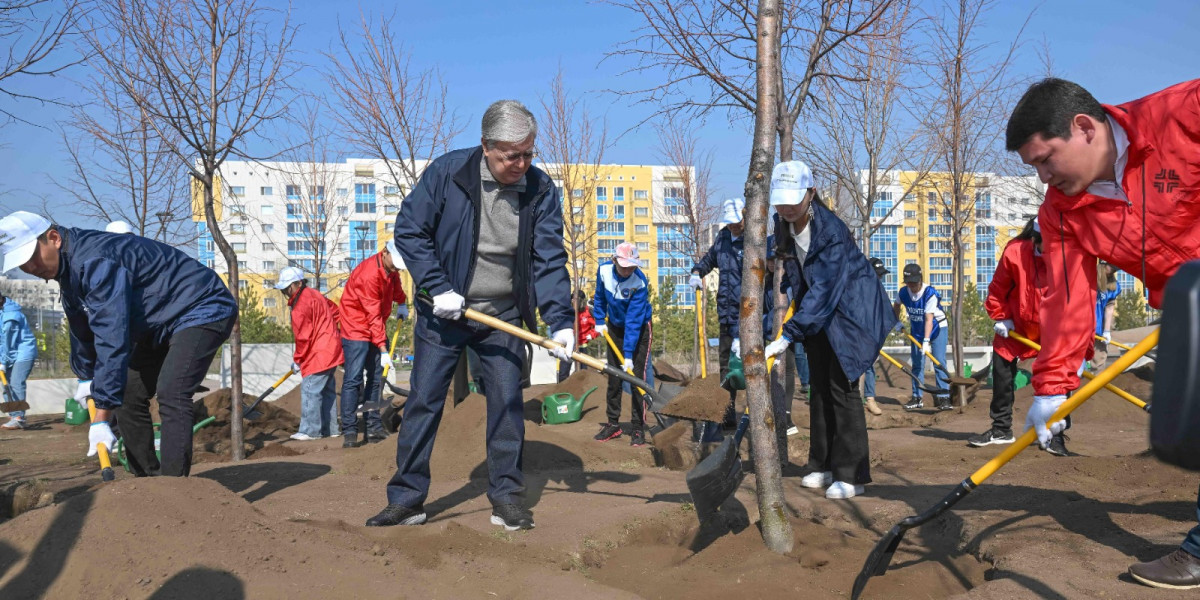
(252, 414)
(715, 479)
(878, 560)
(14, 406)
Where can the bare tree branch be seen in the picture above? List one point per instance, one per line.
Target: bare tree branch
(33, 33)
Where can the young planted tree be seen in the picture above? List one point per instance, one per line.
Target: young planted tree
(571, 143)
(210, 75)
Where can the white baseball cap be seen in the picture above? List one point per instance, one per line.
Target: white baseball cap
(18, 237)
(397, 260)
(790, 182)
(731, 211)
(118, 227)
(288, 276)
(627, 255)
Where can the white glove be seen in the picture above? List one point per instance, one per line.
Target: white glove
(100, 433)
(1043, 408)
(737, 347)
(628, 365)
(696, 281)
(402, 312)
(82, 391)
(566, 337)
(295, 367)
(601, 329)
(778, 346)
(1003, 327)
(1107, 337)
(925, 347)
(385, 359)
(448, 305)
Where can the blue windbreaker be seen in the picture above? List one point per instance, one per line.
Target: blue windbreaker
(121, 290)
(624, 302)
(915, 307)
(1103, 298)
(725, 255)
(17, 343)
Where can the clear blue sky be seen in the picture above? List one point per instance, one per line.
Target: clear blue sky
(1118, 49)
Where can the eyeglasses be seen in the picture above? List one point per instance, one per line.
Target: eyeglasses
(509, 157)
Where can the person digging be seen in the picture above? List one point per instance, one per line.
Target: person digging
(927, 322)
(317, 353)
(1123, 187)
(18, 350)
(145, 320)
(622, 306)
(725, 255)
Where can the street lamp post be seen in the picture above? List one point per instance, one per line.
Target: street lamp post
(362, 235)
(162, 224)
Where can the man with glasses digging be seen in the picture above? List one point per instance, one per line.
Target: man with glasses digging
(482, 229)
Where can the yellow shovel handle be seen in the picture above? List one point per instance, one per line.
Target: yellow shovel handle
(391, 350)
(1138, 402)
(914, 340)
(1116, 343)
(620, 356)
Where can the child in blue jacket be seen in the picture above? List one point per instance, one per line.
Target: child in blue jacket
(622, 310)
(18, 350)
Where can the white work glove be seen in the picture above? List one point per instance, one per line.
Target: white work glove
(402, 312)
(628, 365)
(736, 348)
(82, 391)
(601, 329)
(100, 433)
(778, 346)
(1003, 327)
(1043, 408)
(925, 347)
(566, 337)
(1107, 337)
(295, 367)
(696, 281)
(385, 359)
(448, 305)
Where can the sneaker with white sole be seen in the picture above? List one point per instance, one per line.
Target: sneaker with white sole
(817, 479)
(841, 490)
(512, 517)
(989, 437)
(916, 403)
(14, 423)
(302, 437)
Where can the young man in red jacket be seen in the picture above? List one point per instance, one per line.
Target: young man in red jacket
(1124, 187)
(373, 287)
(317, 355)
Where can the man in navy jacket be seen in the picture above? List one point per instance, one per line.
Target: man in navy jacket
(482, 229)
(145, 320)
(725, 255)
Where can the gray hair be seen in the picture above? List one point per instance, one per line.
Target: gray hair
(508, 121)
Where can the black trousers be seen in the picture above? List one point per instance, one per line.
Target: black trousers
(1004, 390)
(724, 350)
(837, 422)
(173, 373)
(641, 359)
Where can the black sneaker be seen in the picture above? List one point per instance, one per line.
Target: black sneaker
(1058, 445)
(915, 404)
(636, 438)
(943, 404)
(991, 436)
(398, 514)
(350, 441)
(376, 436)
(512, 517)
(609, 431)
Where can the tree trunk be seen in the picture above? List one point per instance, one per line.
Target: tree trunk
(776, 529)
(236, 450)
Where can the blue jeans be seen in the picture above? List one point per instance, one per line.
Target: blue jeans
(361, 384)
(937, 347)
(317, 395)
(1191, 543)
(16, 383)
(801, 364)
(869, 382)
(438, 344)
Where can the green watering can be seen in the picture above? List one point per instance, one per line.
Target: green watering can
(563, 408)
(736, 379)
(76, 413)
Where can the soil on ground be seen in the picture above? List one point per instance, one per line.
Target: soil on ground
(609, 523)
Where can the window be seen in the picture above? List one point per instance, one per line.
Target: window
(268, 284)
(391, 210)
(882, 206)
(241, 284)
(268, 265)
(266, 190)
(299, 228)
(266, 209)
(343, 211)
(640, 194)
(939, 247)
(641, 229)
(619, 194)
(267, 228)
(601, 211)
(673, 192)
(606, 247)
(242, 265)
(238, 190)
(610, 228)
(294, 210)
(910, 214)
(641, 211)
(343, 192)
(267, 247)
(940, 263)
(618, 211)
(983, 205)
(601, 194)
(939, 231)
(237, 228)
(317, 192)
(391, 190)
(933, 214)
(576, 193)
(910, 231)
(364, 197)
(910, 247)
(643, 246)
(343, 246)
(269, 301)
(293, 192)
(239, 246)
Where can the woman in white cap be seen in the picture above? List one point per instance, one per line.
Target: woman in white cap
(842, 316)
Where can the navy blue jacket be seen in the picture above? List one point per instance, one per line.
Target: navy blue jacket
(837, 292)
(121, 290)
(438, 228)
(725, 256)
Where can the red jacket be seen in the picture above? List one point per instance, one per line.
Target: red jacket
(1016, 293)
(367, 301)
(1162, 182)
(587, 327)
(315, 326)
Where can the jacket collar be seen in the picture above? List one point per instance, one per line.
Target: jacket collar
(1138, 151)
(468, 178)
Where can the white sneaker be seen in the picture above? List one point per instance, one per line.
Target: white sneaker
(841, 490)
(818, 479)
(793, 430)
(14, 423)
(302, 437)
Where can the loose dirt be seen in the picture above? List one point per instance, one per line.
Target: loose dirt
(674, 448)
(212, 441)
(702, 399)
(667, 372)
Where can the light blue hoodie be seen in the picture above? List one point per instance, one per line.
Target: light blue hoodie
(17, 343)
